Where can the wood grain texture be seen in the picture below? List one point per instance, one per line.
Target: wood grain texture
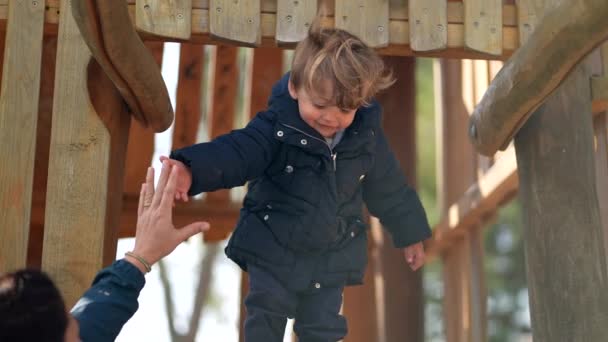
(565, 35)
(367, 19)
(428, 25)
(529, 14)
(88, 145)
(293, 20)
(165, 18)
(235, 21)
(189, 95)
(18, 119)
(482, 26)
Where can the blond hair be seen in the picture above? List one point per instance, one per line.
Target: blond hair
(335, 57)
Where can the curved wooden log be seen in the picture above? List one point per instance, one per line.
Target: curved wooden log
(566, 34)
(107, 29)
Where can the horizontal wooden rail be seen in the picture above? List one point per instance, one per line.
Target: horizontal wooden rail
(399, 35)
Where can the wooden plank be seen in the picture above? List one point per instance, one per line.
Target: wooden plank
(402, 309)
(235, 21)
(140, 147)
(566, 34)
(221, 116)
(429, 29)
(18, 119)
(529, 13)
(189, 95)
(367, 19)
(165, 18)
(482, 25)
(398, 35)
(43, 141)
(88, 146)
(566, 267)
(600, 127)
(222, 216)
(265, 72)
(294, 19)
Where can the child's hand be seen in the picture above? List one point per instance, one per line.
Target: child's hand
(184, 180)
(414, 255)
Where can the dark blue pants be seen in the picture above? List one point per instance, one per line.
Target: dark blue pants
(269, 304)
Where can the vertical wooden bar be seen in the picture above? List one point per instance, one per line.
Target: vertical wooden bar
(43, 141)
(222, 116)
(265, 71)
(601, 154)
(88, 147)
(189, 95)
(403, 298)
(166, 18)
(236, 20)
(465, 300)
(483, 26)
(294, 19)
(140, 147)
(566, 267)
(529, 12)
(367, 19)
(428, 25)
(18, 119)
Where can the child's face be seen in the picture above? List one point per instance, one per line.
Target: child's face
(325, 119)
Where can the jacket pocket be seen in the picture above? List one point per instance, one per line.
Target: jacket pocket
(256, 239)
(352, 257)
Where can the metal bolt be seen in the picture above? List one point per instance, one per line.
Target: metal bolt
(295, 3)
(381, 28)
(146, 7)
(180, 16)
(34, 3)
(476, 24)
(417, 21)
(288, 18)
(440, 27)
(219, 10)
(493, 30)
(249, 20)
(527, 26)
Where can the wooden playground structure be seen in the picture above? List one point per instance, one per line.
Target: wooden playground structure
(74, 158)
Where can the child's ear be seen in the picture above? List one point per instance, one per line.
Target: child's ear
(292, 90)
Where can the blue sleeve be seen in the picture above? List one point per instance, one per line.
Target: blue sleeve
(388, 197)
(232, 159)
(109, 303)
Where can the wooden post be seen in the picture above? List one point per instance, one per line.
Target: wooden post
(18, 119)
(601, 153)
(464, 288)
(86, 163)
(565, 256)
(403, 296)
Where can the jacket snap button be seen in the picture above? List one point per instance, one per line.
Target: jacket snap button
(289, 169)
(352, 234)
(280, 133)
(303, 142)
(317, 286)
(361, 177)
(266, 217)
(268, 206)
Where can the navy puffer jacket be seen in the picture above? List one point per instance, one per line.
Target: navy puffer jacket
(302, 215)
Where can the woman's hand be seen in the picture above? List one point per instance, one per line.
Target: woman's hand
(184, 178)
(156, 236)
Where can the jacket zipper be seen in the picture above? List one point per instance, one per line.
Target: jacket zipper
(334, 155)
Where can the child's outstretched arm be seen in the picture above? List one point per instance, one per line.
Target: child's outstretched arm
(397, 205)
(227, 161)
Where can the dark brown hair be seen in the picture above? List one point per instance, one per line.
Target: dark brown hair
(336, 58)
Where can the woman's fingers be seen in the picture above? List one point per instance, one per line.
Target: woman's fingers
(168, 193)
(140, 204)
(149, 192)
(190, 230)
(162, 182)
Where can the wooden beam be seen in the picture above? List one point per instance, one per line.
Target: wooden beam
(600, 127)
(87, 151)
(398, 29)
(140, 147)
(430, 22)
(164, 18)
(18, 120)
(367, 19)
(482, 26)
(293, 20)
(222, 217)
(566, 34)
(403, 299)
(235, 21)
(267, 68)
(43, 142)
(565, 253)
(189, 95)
